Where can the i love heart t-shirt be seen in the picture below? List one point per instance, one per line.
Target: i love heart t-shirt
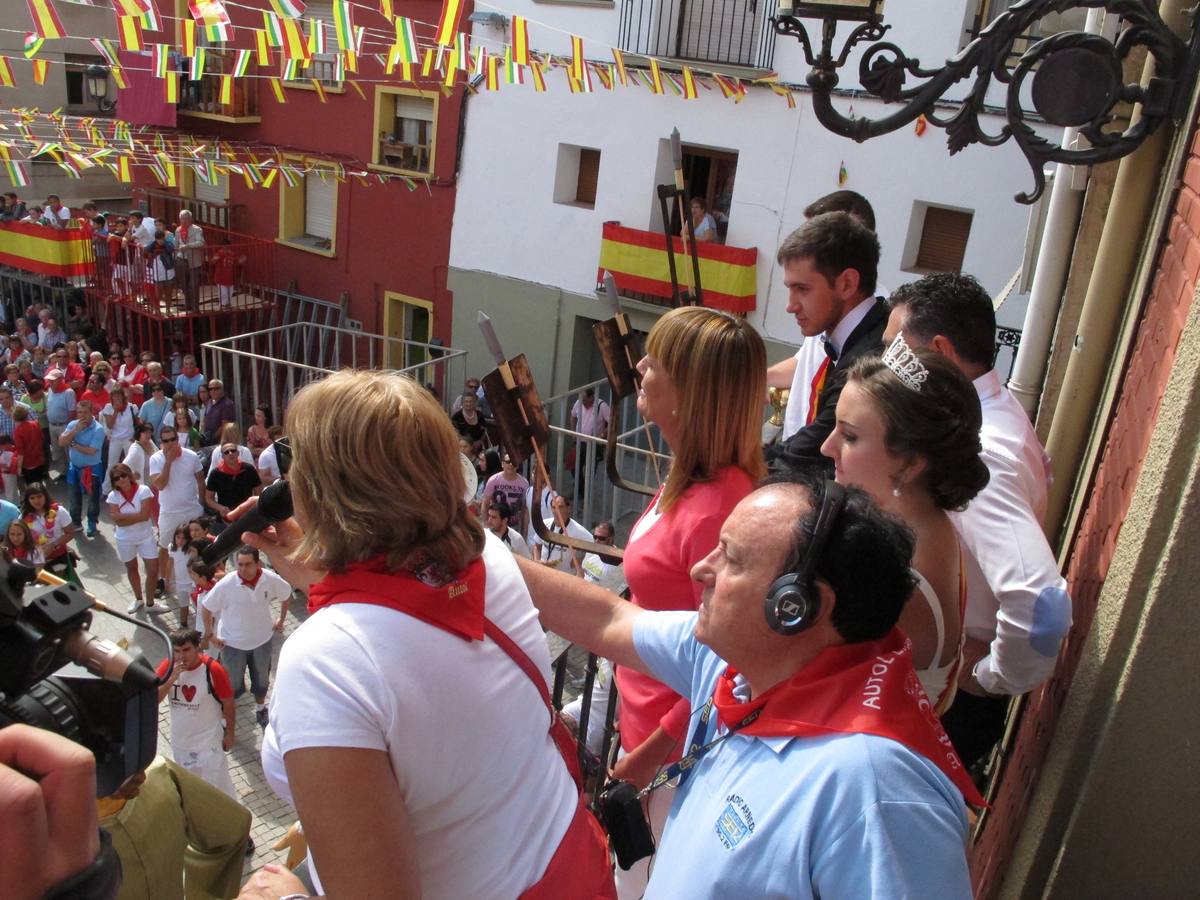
(196, 715)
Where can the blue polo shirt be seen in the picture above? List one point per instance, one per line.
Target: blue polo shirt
(189, 386)
(92, 436)
(9, 513)
(845, 815)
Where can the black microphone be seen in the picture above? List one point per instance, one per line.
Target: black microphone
(274, 505)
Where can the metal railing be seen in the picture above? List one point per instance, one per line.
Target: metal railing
(21, 290)
(268, 366)
(204, 96)
(725, 32)
(165, 207)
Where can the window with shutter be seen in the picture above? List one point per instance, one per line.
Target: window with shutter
(319, 197)
(589, 174)
(943, 239)
(217, 192)
(323, 66)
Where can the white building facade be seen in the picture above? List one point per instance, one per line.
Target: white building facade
(527, 229)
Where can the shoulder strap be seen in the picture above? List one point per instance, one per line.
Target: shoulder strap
(935, 608)
(208, 678)
(521, 658)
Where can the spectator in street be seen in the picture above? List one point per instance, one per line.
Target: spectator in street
(268, 460)
(176, 473)
(238, 621)
(12, 381)
(230, 484)
(189, 381)
(73, 372)
(16, 351)
(60, 410)
(179, 583)
(39, 361)
(10, 466)
(473, 386)
(131, 374)
(84, 440)
(589, 416)
(27, 439)
(217, 412)
(7, 405)
(203, 724)
(231, 434)
(131, 507)
(154, 375)
(470, 423)
(155, 407)
(258, 437)
(603, 569)
(184, 420)
(508, 487)
(498, 517)
(19, 545)
(140, 451)
(53, 335)
(119, 417)
(189, 258)
(556, 556)
(28, 336)
(52, 528)
(97, 394)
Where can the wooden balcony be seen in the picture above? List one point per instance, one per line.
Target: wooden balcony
(209, 215)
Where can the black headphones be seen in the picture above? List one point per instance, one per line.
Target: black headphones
(793, 601)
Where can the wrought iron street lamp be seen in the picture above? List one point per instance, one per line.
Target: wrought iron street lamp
(95, 79)
(1075, 78)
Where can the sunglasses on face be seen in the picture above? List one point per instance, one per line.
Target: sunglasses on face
(173, 440)
(229, 452)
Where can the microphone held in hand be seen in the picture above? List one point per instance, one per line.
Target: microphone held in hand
(274, 505)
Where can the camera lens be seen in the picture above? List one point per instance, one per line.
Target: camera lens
(50, 706)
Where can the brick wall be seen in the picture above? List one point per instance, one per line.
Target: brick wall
(1134, 417)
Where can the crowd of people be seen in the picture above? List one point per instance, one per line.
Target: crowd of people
(813, 643)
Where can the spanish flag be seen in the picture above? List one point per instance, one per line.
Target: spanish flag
(45, 20)
(294, 46)
(6, 78)
(188, 30)
(656, 83)
(520, 40)
(39, 71)
(619, 62)
(447, 23)
(60, 252)
(638, 263)
(385, 9)
(130, 29)
(577, 61)
(689, 84)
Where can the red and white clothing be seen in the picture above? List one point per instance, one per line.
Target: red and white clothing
(486, 823)
(48, 528)
(658, 562)
(10, 469)
(132, 377)
(243, 610)
(136, 539)
(198, 721)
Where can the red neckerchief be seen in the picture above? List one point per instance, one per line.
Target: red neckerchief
(253, 583)
(228, 469)
(201, 589)
(863, 688)
(128, 498)
(455, 606)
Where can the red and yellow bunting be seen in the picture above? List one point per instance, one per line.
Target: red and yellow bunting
(46, 24)
(447, 22)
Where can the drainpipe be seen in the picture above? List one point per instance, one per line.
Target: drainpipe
(1053, 265)
(1106, 301)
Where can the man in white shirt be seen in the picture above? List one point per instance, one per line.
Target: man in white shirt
(1018, 609)
(238, 621)
(57, 215)
(178, 476)
(498, 515)
(141, 229)
(829, 267)
(556, 556)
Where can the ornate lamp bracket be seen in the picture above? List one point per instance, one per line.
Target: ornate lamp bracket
(1074, 79)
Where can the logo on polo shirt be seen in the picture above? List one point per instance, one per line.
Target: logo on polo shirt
(735, 822)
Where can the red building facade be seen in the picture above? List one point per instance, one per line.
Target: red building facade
(378, 244)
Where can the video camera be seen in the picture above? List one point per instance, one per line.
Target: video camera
(111, 708)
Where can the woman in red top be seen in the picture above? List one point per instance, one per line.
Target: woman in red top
(703, 384)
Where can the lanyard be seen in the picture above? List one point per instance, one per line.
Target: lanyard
(683, 767)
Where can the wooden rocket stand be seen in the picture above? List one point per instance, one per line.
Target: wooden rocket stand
(619, 350)
(513, 397)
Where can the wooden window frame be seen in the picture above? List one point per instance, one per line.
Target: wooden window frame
(382, 91)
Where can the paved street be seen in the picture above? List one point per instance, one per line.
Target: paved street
(104, 576)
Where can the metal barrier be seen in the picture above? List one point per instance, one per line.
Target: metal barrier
(728, 32)
(267, 367)
(20, 290)
(576, 460)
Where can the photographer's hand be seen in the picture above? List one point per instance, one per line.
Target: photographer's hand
(280, 542)
(48, 829)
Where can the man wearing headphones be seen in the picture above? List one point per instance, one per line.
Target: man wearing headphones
(814, 765)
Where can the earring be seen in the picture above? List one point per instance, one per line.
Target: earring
(896, 491)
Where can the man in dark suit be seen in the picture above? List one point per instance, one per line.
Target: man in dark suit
(829, 268)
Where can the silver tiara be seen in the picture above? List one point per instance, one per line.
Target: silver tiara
(904, 363)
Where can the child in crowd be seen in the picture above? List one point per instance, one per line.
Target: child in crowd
(180, 583)
(224, 273)
(18, 544)
(204, 579)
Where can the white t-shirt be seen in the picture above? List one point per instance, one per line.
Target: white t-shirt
(139, 460)
(43, 532)
(486, 792)
(138, 531)
(243, 614)
(268, 464)
(513, 541)
(610, 576)
(181, 495)
(196, 715)
(122, 427)
(591, 420)
(556, 554)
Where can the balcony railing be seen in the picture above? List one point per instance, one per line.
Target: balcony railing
(638, 262)
(203, 98)
(719, 32)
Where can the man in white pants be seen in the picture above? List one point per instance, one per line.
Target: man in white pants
(202, 713)
(177, 475)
